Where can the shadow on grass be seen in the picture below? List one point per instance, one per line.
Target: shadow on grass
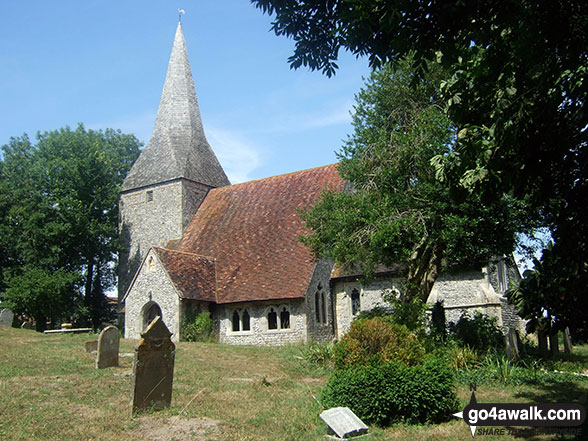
(564, 390)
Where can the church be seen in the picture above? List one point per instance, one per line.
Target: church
(195, 243)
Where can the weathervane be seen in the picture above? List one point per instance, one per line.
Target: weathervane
(180, 12)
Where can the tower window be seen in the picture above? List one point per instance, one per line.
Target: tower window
(149, 196)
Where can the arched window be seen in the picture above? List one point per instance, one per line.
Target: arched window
(284, 318)
(246, 321)
(272, 319)
(355, 301)
(320, 306)
(317, 306)
(235, 321)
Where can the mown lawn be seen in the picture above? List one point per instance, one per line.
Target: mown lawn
(49, 390)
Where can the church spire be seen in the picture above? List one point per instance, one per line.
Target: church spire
(178, 147)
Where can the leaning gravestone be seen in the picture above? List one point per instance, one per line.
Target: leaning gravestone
(6, 317)
(512, 346)
(108, 344)
(343, 422)
(153, 368)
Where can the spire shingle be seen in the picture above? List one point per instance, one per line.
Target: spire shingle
(178, 147)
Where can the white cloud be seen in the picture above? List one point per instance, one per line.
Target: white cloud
(237, 155)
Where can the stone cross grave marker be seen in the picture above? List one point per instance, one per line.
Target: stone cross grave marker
(153, 368)
(6, 316)
(108, 344)
(512, 345)
(343, 422)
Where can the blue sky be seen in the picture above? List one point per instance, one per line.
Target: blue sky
(103, 63)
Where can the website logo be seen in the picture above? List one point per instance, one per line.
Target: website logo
(561, 415)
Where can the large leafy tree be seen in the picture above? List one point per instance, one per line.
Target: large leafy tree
(516, 88)
(60, 218)
(396, 210)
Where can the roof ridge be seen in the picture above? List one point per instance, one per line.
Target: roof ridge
(280, 175)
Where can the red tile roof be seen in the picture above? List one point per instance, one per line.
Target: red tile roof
(193, 275)
(252, 231)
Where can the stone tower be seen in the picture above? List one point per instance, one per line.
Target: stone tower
(173, 174)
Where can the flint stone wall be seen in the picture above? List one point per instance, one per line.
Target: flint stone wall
(145, 223)
(259, 333)
(152, 285)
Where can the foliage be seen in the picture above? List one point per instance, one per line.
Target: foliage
(462, 357)
(515, 87)
(479, 332)
(397, 211)
(317, 353)
(394, 392)
(197, 326)
(41, 294)
(60, 201)
(376, 340)
(552, 296)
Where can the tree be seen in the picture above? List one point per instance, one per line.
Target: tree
(62, 216)
(397, 211)
(515, 88)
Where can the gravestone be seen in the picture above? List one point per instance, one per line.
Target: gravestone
(108, 344)
(91, 346)
(6, 317)
(512, 346)
(343, 422)
(153, 368)
(567, 341)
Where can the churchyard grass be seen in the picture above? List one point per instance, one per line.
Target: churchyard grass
(50, 390)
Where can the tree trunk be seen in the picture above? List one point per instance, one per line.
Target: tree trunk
(542, 342)
(423, 269)
(88, 284)
(553, 344)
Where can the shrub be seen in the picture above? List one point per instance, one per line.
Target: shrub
(394, 392)
(462, 357)
(376, 340)
(480, 332)
(197, 326)
(317, 353)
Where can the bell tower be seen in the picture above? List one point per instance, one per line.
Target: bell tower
(173, 173)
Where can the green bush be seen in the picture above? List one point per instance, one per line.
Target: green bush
(197, 326)
(376, 340)
(394, 392)
(479, 332)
